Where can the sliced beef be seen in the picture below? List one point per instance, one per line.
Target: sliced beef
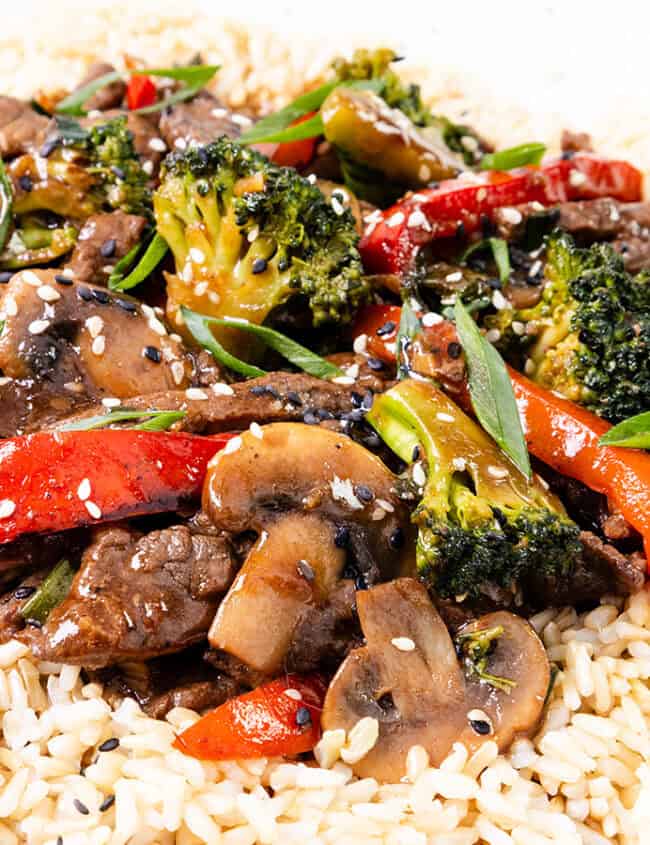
(108, 97)
(65, 346)
(576, 142)
(136, 597)
(102, 241)
(12, 621)
(200, 121)
(21, 128)
(178, 680)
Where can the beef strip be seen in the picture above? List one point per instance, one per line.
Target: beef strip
(21, 128)
(102, 241)
(200, 120)
(137, 596)
(65, 346)
(108, 97)
(178, 680)
(12, 622)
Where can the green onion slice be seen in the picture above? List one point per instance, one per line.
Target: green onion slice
(153, 255)
(153, 420)
(514, 157)
(500, 253)
(50, 594)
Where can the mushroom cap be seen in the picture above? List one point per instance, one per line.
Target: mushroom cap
(420, 696)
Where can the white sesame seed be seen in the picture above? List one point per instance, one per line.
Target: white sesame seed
(377, 514)
(111, 402)
(178, 372)
(417, 218)
(312, 179)
(459, 464)
(343, 380)
(99, 345)
(197, 255)
(518, 327)
(11, 309)
(456, 276)
(232, 446)
(337, 205)
(511, 215)
(535, 268)
(156, 326)
(108, 269)
(352, 371)
(493, 335)
(38, 326)
(386, 505)
(469, 142)
(403, 643)
(93, 509)
(147, 166)
(497, 472)
(424, 173)
(158, 145)
(360, 344)
(294, 694)
(175, 337)
(214, 297)
(252, 236)
(7, 507)
(444, 417)
(431, 319)
(74, 386)
(614, 215)
(481, 194)
(395, 219)
(529, 367)
(196, 393)
(180, 143)
(222, 389)
(419, 475)
(94, 325)
(83, 490)
(499, 301)
(391, 348)
(577, 178)
(219, 113)
(31, 278)
(241, 119)
(48, 294)
(201, 289)
(256, 430)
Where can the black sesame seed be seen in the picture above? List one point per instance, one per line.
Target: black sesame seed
(368, 399)
(24, 592)
(342, 536)
(396, 539)
(294, 398)
(5, 276)
(100, 296)
(487, 226)
(81, 807)
(454, 350)
(110, 744)
(310, 418)
(415, 454)
(259, 265)
(567, 155)
(495, 284)
(26, 183)
(63, 280)
(271, 391)
(84, 293)
(375, 364)
(303, 717)
(283, 264)
(356, 399)
(480, 726)
(372, 440)
(49, 146)
(107, 249)
(258, 390)
(306, 570)
(354, 416)
(360, 583)
(107, 803)
(387, 328)
(364, 493)
(324, 414)
(153, 354)
(118, 172)
(126, 305)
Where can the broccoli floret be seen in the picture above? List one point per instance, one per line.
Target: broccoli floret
(248, 235)
(589, 336)
(481, 523)
(80, 172)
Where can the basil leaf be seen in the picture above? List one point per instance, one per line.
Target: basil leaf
(6, 197)
(269, 128)
(50, 594)
(197, 325)
(491, 391)
(500, 253)
(632, 433)
(152, 257)
(74, 102)
(409, 327)
(155, 420)
(514, 157)
(295, 353)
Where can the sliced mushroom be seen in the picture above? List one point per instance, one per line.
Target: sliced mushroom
(408, 677)
(308, 493)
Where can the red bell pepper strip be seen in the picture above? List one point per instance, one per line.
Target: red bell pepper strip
(565, 436)
(140, 92)
(291, 153)
(378, 317)
(390, 245)
(279, 719)
(54, 480)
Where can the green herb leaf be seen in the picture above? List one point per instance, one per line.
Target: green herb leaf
(632, 433)
(270, 128)
(152, 257)
(155, 420)
(409, 327)
(124, 265)
(198, 326)
(50, 594)
(500, 253)
(195, 77)
(6, 197)
(514, 157)
(491, 391)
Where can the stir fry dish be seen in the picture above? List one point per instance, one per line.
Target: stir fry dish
(306, 413)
